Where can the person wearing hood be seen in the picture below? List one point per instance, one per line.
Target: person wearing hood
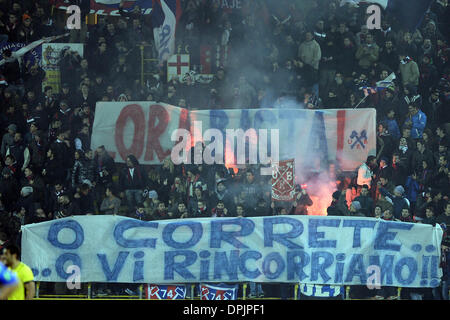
(409, 70)
(301, 202)
(222, 193)
(338, 205)
(26, 203)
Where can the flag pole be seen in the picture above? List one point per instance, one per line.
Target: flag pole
(362, 100)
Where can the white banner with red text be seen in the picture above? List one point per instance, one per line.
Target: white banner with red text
(314, 138)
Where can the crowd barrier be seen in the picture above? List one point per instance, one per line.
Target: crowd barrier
(141, 296)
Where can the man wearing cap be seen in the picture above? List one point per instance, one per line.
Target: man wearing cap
(8, 138)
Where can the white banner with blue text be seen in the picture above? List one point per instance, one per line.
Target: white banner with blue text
(306, 249)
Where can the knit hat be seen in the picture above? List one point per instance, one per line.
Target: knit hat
(153, 194)
(356, 205)
(25, 17)
(26, 191)
(399, 189)
(12, 127)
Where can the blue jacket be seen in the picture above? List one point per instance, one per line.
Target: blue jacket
(393, 128)
(419, 121)
(412, 189)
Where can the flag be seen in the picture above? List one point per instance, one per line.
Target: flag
(165, 292)
(178, 66)
(368, 90)
(22, 49)
(386, 83)
(218, 292)
(380, 85)
(164, 19)
(283, 181)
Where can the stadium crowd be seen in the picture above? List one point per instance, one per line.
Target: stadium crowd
(320, 56)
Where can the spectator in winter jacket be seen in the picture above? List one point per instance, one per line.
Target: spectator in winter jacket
(367, 53)
(309, 51)
(78, 169)
(387, 214)
(301, 202)
(54, 170)
(105, 168)
(220, 211)
(412, 189)
(417, 120)
(355, 209)
(200, 210)
(398, 200)
(445, 216)
(338, 205)
(85, 200)
(392, 124)
(365, 201)
(9, 188)
(65, 207)
(406, 216)
(409, 70)
(132, 180)
(430, 217)
(365, 173)
(19, 151)
(111, 203)
(161, 212)
(8, 139)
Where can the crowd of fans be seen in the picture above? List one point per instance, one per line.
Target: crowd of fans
(319, 56)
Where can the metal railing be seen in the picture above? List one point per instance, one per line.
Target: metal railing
(145, 60)
(140, 296)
